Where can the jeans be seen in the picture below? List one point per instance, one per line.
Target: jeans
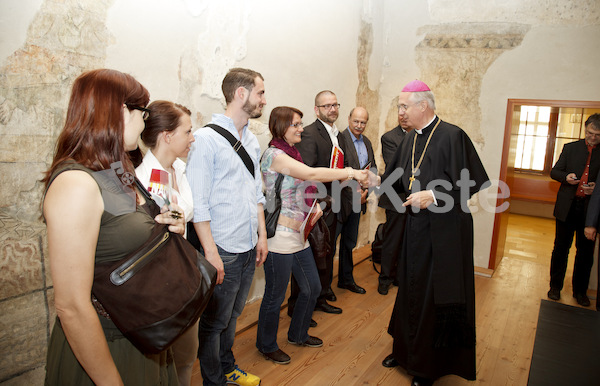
(325, 271)
(217, 323)
(277, 274)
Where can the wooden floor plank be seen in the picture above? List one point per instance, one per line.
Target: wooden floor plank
(355, 342)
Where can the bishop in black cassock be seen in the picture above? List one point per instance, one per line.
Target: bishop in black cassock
(433, 321)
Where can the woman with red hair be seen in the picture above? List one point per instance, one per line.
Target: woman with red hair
(93, 214)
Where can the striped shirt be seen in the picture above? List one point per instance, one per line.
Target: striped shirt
(224, 191)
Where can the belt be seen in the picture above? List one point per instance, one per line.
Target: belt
(289, 222)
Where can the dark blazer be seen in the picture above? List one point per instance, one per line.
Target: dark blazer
(390, 142)
(315, 147)
(572, 160)
(593, 211)
(351, 160)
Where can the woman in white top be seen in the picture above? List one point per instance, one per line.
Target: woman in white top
(168, 136)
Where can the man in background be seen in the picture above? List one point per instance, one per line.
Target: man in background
(393, 228)
(576, 170)
(358, 154)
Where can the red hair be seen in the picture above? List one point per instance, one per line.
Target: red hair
(94, 127)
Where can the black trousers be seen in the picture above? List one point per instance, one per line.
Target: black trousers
(584, 257)
(393, 234)
(349, 236)
(325, 272)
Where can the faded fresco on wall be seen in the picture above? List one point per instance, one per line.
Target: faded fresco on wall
(64, 39)
(454, 59)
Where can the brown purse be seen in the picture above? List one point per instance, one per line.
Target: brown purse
(157, 292)
(319, 238)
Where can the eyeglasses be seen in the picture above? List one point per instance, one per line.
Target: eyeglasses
(403, 108)
(330, 106)
(145, 111)
(297, 125)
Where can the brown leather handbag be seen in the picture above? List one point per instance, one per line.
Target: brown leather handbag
(319, 238)
(157, 292)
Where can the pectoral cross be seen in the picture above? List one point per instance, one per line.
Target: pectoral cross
(411, 179)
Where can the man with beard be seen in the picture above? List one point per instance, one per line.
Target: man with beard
(358, 154)
(229, 220)
(318, 141)
(433, 321)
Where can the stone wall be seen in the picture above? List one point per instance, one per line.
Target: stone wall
(65, 39)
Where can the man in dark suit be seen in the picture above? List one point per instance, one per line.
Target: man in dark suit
(358, 154)
(318, 140)
(576, 169)
(393, 229)
(592, 219)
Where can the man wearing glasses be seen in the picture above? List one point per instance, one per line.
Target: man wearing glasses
(433, 321)
(577, 171)
(319, 139)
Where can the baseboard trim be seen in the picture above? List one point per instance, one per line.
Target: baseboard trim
(486, 272)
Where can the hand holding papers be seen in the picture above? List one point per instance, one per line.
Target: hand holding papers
(160, 188)
(337, 158)
(313, 215)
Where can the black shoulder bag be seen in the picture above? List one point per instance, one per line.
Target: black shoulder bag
(237, 146)
(273, 207)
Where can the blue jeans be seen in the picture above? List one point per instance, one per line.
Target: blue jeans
(277, 274)
(217, 324)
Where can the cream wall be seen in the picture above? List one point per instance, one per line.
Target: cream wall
(475, 55)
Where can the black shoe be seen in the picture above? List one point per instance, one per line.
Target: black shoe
(390, 361)
(325, 307)
(278, 357)
(312, 323)
(582, 299)
(418, 381)
(312, 341)
(554, 294)
(383, 288)
(353, 287)
(330, 295)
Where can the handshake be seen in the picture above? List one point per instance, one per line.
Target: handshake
(365, 177)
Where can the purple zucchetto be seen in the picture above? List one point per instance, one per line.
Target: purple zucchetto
(415, 86)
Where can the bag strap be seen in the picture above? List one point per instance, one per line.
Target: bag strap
(152, 205)
(237, 146)
(278, 185)
(276, 191)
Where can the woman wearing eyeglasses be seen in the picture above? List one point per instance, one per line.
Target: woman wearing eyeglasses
(89, 222)
(168, 136)
(288, 252)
